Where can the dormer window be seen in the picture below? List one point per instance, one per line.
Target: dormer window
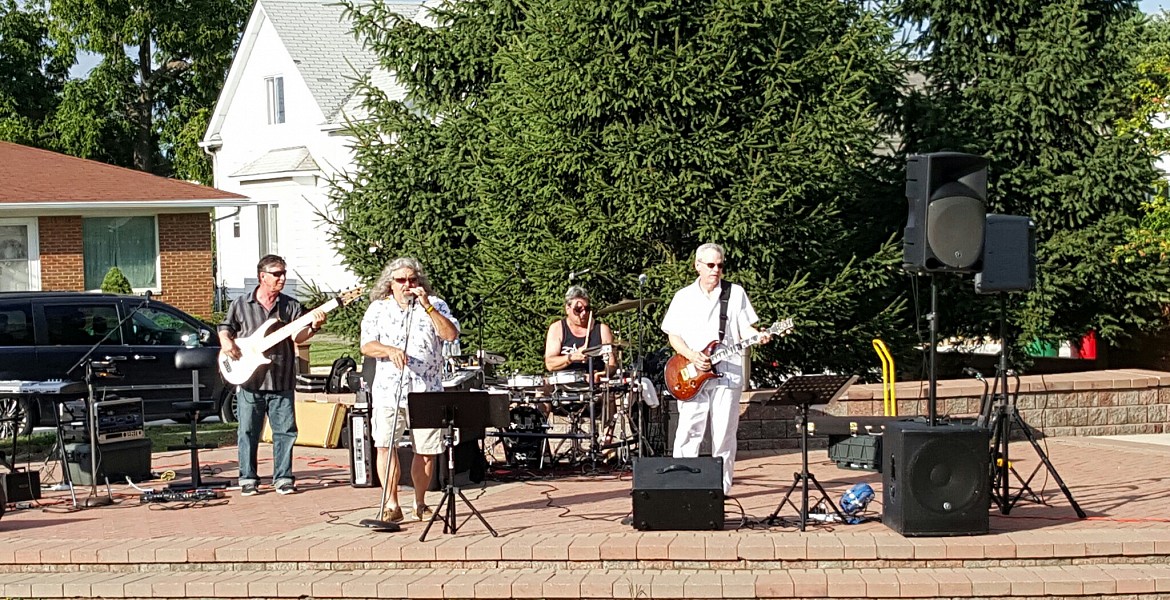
(275, 87)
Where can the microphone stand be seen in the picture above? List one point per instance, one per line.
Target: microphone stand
(378, 524)
(639, 364)
(477, 310)
(91, 424)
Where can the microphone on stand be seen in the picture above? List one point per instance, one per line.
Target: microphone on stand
(642, 280)
(575, 274)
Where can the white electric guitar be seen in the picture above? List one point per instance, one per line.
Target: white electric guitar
(252, 348)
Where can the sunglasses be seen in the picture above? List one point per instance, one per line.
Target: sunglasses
(581, 308)
(277, 274)
(406, 280)
(712, 265)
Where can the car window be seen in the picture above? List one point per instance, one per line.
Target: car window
(16, 325)
(154, 327)
(81, 324)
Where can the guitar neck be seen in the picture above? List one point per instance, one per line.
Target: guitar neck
(730, 351)
(278, 336)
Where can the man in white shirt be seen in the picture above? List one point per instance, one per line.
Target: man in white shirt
(692, 323)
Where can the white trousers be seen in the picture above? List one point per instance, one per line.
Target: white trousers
(720, 403)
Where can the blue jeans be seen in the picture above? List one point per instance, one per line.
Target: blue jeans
(282, 419)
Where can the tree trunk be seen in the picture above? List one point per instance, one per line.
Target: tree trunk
(144, 113)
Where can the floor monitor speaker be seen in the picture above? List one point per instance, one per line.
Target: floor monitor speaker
(672, 494)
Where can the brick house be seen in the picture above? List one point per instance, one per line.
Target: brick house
(64, 221)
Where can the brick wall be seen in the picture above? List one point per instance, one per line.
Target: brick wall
(185, 255)
(1113, 402)
(185, 251)
(61, 262)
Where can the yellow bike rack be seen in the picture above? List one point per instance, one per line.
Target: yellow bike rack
(889, 400)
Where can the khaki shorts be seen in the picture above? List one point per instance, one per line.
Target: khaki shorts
(424, 441)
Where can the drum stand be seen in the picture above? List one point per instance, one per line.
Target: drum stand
(802, 391)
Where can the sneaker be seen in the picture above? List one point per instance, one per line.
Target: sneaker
(393, 515)
(286, 488)
(248, 489)
(422, 513)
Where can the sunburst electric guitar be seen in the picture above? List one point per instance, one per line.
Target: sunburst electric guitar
(684, 379)
(252, 348)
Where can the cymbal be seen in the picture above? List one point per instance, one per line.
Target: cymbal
(625, 305)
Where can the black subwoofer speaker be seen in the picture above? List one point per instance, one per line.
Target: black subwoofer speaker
(672, 494)
(935, 480)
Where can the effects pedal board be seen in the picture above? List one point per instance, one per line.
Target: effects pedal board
(199, 495)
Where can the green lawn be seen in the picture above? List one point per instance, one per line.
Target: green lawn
(326, 348)
(36, 447)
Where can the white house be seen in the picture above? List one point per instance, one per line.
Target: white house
(277, 136)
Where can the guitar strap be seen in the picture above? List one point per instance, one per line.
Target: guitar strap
(724, 296)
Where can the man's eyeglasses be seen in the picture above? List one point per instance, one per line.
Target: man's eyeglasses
(406, 280)
(713, 265)
(277, 274)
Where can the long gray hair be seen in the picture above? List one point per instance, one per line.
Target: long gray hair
(381, 288)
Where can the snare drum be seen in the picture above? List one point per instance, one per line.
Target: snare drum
(525, 382)
(569, 379)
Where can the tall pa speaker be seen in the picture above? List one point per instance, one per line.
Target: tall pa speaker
(672, 494)
(944, 229)
(935, 480)
(1009, 255)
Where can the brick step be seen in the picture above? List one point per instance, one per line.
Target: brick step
(1075, 581)
(669, 550)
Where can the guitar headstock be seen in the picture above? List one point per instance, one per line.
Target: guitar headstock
(350, 295)
(782, 328)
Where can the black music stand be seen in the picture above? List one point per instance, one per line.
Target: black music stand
(466, 411)
(801, 391)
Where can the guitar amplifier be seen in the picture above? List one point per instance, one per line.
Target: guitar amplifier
(21, 486)
(363, 469)
(319, 424)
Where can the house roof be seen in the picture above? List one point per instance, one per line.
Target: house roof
(326, 52)
(35, 177)
(284, 160)
(321, 42)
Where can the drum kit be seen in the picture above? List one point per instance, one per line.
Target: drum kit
(564, 417)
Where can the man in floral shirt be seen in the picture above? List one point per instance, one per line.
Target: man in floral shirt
(404, 329)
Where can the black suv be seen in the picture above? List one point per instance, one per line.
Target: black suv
(43, 334)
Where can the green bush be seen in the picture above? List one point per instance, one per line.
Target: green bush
(115, 282)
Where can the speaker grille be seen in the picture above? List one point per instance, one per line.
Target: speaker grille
(954, 230)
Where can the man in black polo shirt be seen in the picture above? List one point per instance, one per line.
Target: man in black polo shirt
(270, 390)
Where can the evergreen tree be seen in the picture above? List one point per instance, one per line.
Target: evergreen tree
(115, 282)
(1038, 87)
(559, 135)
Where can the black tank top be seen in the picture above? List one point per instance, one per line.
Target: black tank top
(570, 342)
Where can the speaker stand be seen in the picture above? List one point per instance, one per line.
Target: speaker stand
(801, 391)
(1004, 418)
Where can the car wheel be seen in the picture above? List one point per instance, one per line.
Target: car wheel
(14, 415)
(228, 412)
